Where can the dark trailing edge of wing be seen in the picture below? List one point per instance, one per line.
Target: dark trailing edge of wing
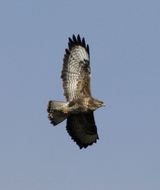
(77, 41)
(87, 122)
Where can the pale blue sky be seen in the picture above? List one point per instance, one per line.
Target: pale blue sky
(124, 39)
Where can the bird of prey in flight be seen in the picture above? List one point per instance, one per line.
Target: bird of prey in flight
(80, 105)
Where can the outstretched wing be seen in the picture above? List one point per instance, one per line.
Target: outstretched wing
(82, 129)
(76, 69)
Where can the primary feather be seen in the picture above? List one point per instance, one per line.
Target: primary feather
(76, 69)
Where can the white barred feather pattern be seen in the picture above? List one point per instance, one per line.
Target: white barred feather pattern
(74, 60)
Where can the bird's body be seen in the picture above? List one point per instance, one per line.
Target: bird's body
(80, 105)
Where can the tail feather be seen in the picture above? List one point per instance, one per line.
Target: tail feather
(55, 112)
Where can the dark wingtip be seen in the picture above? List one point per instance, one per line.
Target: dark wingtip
(53, 123)
(67, 51)
(77, 40)
(88, 49)
(74, 38)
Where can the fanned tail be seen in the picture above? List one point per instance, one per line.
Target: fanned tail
(55, 111)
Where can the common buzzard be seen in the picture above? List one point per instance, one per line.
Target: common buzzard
(80, 105)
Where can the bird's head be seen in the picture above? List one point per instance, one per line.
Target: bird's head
(100, 103)
(95, 104)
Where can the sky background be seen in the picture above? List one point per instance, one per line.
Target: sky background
(124, 39)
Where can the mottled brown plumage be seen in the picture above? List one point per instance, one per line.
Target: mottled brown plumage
(80, 105)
